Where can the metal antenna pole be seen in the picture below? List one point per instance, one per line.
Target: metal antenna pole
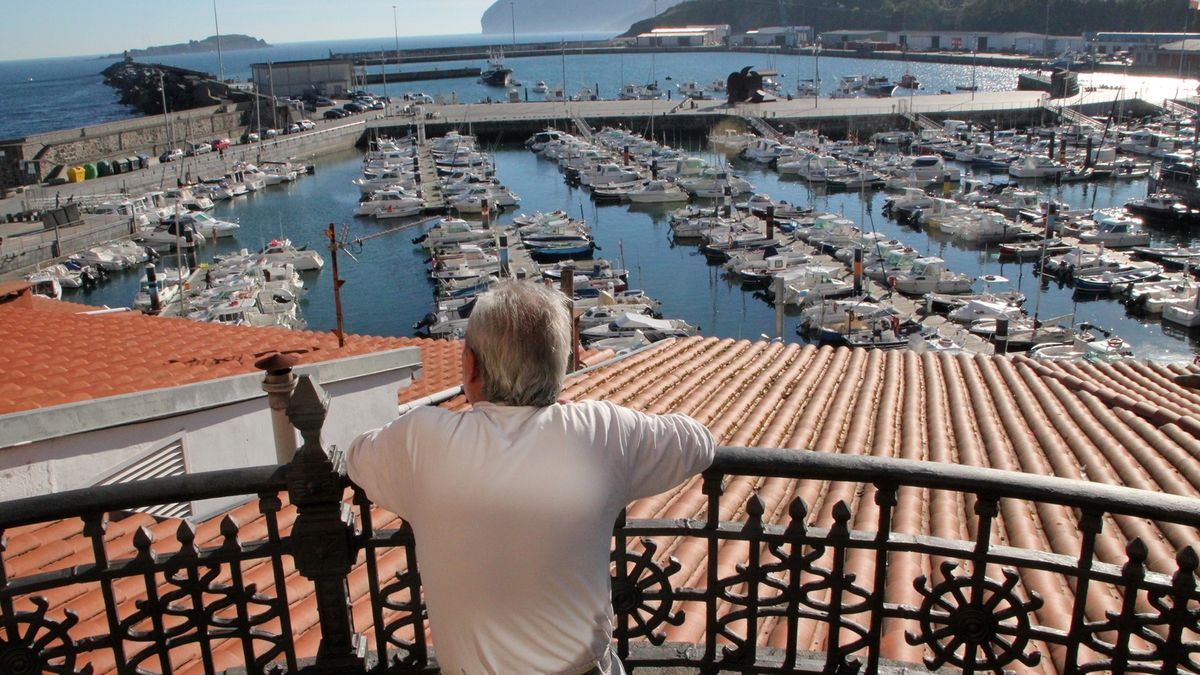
(337, 285)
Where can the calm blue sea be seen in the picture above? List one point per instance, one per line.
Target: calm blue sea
(387, 290)
(48, 94)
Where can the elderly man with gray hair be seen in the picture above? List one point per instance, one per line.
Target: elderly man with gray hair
(513, 501)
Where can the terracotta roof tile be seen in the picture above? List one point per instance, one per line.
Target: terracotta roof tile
(1124, 424)
(55, 353)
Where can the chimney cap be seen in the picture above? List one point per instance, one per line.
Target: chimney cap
(277, 362)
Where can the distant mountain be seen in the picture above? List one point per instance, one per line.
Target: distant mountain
(209, 44)
(568, 16)
(1062, 17)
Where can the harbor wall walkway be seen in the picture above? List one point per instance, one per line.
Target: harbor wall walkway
(834, 117)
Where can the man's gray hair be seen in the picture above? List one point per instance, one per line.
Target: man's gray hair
(520, 333)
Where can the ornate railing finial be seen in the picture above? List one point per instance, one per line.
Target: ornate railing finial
(307, 410)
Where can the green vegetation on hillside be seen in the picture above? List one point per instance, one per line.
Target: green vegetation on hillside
(1064, 17)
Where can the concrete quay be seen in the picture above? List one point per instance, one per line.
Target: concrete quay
(836, 117)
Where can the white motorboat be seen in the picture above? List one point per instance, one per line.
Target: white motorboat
(984, 309)
(808, 88)
(930, 275)
(1101, 350)
(453, 231)
(1116, 230)
(1153, 297)
(46, 284)
(807, 284)
(608, 173)
(495, 196)
(1036, 166)
(730, 140)
(602, 314)
(282, 252)
(690, 89)
(762, 150)
(211, 228)
(657, 192)
(628, 323)
(714, 184)
(540, 87)
(394, 202)
(1183, 314)
(173, 233)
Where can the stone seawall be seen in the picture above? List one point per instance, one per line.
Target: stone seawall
(26, 245)
(125, 138)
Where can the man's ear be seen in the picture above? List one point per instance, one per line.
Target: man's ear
(472, 375)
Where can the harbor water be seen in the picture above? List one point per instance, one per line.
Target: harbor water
(387, 290)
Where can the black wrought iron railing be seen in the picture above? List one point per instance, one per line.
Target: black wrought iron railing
(750, 585)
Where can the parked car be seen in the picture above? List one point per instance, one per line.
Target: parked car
(171, 155)
(249, 137)
(269, 133)
(323, 101)
(335, 114)
(307, 125)
(293, 129)
(220, 144)
(198, 149)
(353, 108)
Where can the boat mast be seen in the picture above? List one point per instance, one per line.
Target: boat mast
(1051, 210)
(220, 61)
(162, 88)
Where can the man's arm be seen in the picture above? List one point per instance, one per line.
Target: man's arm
(663, 450)
(378, 461)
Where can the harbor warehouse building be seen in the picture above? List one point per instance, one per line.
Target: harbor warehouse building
(328, 77)
(685, 36)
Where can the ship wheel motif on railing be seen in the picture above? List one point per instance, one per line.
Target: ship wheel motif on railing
(31, 644)
(987, 629)
(645, 594)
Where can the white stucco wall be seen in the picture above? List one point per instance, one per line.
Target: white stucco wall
(217, 434)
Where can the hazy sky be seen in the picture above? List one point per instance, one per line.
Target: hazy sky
(43, 28)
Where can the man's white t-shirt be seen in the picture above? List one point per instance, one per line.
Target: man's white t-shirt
(513, 510)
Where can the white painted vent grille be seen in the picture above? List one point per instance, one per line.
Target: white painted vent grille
(161, 463)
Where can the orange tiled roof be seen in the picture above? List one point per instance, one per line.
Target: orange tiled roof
(56, 354)
(1128, 424)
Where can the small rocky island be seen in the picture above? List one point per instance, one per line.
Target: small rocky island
(209, 44)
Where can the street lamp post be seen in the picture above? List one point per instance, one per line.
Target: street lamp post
(817, 73)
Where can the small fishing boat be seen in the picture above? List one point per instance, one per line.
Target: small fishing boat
(1114, 280)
